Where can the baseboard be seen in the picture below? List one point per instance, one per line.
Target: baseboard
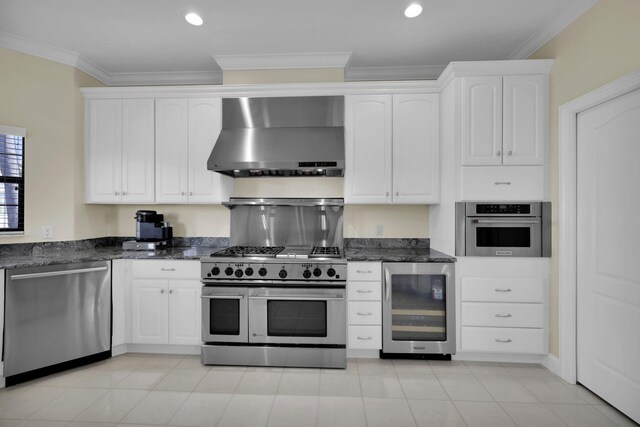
(498, 357)
(552, 363)
(163, 349)
(363, 354)
(118, 350)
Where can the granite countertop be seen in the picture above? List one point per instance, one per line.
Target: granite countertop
(41, 254)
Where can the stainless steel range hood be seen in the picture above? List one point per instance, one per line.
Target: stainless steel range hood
(288, 136)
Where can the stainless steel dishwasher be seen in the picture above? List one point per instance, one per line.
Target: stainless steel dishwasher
(56, 317)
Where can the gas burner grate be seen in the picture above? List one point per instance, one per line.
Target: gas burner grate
(325, 252)
(247, 251)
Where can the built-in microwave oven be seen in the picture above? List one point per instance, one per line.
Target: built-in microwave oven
(516, 229)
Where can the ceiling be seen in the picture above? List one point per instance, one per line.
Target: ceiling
(148, 41)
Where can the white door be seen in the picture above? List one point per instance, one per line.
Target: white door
(481, 132)
(138, 147)
(172, 165)
(608, 230)
(104, 154)
(416, 158)
(368, 133)
(149, 312)
(185, 310)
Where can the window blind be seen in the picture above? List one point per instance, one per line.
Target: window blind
(11, 182)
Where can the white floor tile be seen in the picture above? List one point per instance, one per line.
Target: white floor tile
(549, 389)
(381, 385)
(219, 381)
(180, 380)
(246, 410)
(113, 406)
(157, 407)
(448, 367)
(340, 385)
(377, 366)
(28, 399)
(614, 415)
(580, 415)
(341, 412)
(484, 414)
(259, 382)
(421, 386)
(532, 415)
(294, 411)
(431, 413)
(410, 365)
(201, 409)
(69, 405)
(300, 383)
(505, 388)
(486, 368)
(388, 412)
(464, 387)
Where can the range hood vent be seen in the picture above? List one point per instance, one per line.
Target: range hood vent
(288, 136)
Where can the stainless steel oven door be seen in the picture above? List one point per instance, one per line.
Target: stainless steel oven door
(298, 316)
(224, 314)
(491, 236)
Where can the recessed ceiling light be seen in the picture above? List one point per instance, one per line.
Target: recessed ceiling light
(413, 10)
(193, 19)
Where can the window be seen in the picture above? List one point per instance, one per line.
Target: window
(11, 179)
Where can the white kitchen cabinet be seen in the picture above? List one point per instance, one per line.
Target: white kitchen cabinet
(186, 131)
(165, 305)
(503, 120)
(392, 149)
(503, 305)
(120, 278)
(120, 151)
(364, 306)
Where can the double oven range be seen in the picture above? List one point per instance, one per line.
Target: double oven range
(278, 296)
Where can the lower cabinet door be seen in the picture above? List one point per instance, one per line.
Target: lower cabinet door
(185, 317)
(149, 311)
(364, 337)
(503, 340)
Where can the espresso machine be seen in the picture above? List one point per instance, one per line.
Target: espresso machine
(152, 232)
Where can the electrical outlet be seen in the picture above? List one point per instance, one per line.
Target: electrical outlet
(47, 232)
(379, 230)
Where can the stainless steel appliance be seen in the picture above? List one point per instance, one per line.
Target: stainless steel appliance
(152, 232)
(56, 317)
(418, 308)
(520, 229)
(278, 296)
(280, 136)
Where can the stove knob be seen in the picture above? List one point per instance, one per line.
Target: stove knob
(249, 271)
(228, 271)
(262, 272)
(215, 271)
(238, 273)
(283, 273)
(317, 272)
(331, 272)
(306, 274)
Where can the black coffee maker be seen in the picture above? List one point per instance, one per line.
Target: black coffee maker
(151, 227)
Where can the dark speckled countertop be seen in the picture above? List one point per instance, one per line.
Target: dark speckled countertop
(49, 253)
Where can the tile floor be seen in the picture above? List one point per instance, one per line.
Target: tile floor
(150, 390)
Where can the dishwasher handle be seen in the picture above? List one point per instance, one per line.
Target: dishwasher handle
(57, 273)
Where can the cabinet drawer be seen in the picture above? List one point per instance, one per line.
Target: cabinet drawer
(503, 340)
(502, 289)
(368, 291)
(502, 315)
(364, 313)
(364, 337)
(502, 183)
(166, 269)
(371, 271)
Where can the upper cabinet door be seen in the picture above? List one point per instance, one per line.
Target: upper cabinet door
(138, 147)
(525, 98)
(416, 154)
(481, 132)
(205, 122)
(368, 133)
(103, 151)
(171, 150)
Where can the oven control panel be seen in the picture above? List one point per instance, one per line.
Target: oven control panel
(218, 271)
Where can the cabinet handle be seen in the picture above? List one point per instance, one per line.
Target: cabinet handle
(503, 341)
(360, 291)
(387, 194)
(167, 269)
(182, 193)
(509, 153)
(364, 314)
(364, 338)
(397, 193)
(502, 315)
(191, 193)
(116, 194)
(170, 291)
(124, 193)
(498, 153)
(363, 271)
(503, 290)
(162, 291)
(502, 183)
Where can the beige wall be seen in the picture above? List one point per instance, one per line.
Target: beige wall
(43, 97)
(600, 46)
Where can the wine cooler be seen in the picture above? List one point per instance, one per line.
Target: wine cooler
(418, 309)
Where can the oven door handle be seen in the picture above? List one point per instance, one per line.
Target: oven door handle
(222, 297)
(298, 298)
(506, 221)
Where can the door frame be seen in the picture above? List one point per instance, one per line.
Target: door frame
(567, 214)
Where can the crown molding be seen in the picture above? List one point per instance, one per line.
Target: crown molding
(167, 78)
(282, 61)
(417, 72)
(561, 21)
(63, 56)
(493, 68)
